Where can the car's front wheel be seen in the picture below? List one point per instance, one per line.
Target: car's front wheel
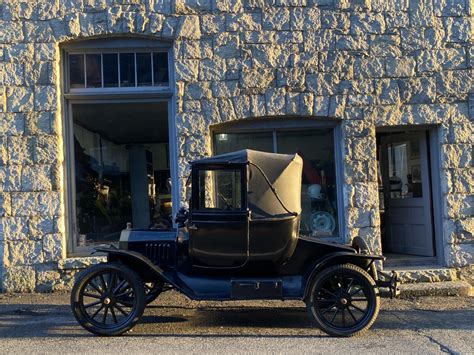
(97, 299)
(343, 300)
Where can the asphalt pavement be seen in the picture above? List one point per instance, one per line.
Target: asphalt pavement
(43, 323)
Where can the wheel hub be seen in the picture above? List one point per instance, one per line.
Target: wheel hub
(343, 301)
(107, 301)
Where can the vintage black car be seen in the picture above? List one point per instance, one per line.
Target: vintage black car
(239, 240)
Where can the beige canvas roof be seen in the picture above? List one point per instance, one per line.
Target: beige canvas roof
(283, 172)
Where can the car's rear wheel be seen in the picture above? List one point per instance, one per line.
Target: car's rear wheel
(343, 300)
(97, 299)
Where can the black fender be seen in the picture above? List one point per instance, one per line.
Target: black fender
(366, 262)
(135, 261)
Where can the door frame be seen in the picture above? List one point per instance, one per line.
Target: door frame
(433, 152)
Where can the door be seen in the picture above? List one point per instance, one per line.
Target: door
(219, 221)
(407, 194)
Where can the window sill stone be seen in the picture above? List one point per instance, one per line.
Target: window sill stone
(80, 262)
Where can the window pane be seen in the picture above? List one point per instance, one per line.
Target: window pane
(220, 189)
(121, 169)
(144, 69)
(76, 71)
(110, 69)
(93, 71)
(404, 170)
(127, 69)
(230, 142)
(319, 194)
(160, 69)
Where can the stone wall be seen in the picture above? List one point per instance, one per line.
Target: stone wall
(370, 63)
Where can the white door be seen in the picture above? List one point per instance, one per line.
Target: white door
(407, 196)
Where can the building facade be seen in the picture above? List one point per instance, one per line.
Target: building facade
(103, 103)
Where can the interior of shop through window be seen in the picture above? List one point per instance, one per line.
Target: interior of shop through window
(122, 170)
(319, 216)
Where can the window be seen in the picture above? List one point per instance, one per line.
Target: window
(125, 69)
(220, 189)
(119, 164)
(121, 169)
(319, 195)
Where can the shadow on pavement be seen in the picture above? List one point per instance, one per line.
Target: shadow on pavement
(42, 320)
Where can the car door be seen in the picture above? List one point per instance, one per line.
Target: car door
(407, 194)
(219, 220)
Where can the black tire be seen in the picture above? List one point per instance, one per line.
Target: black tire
(96, 299)
(343, 300)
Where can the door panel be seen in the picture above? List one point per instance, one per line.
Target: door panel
(406, 182)
(219, 239)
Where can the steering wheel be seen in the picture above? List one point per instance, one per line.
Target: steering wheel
(228, 206)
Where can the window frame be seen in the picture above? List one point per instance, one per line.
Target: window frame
(110, 95)
(114, 45)
(288, 124)
(195, 203)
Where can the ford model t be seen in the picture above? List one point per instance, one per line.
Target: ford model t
(239, 240)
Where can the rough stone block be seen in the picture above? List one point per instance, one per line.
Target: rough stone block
(257, 106)
(293, 78)
(38, 31)
(229, 88)
(365, 23)
(369, 67)
(197, 91)
(24, 252)
(13, 228)
(421, 13)
(305, 18)
(186, 7)
(400, 67)
(19, 99)
(322, 40)
(12, 74)
(10, 178)
(243, 21)
(454, 82)
(381, 45)
(387, 92)
(38, 123)
(275, 101)
(458, 29)
(228, 5)
(227, 45)
(19, 279)
(242, 106)
(458, 206)
(214, 69)
(48, 149)
(20, 149)
(322, 84)
(189, 27)
(36, 178)
(456, 155)
(53, 247)
(276, 18)
(45, 98)
(212, 24)
(351, 43)
(187, 70)
(256, 78)
(333, 19)
(12, 124)
(321, 106)
(418, 90)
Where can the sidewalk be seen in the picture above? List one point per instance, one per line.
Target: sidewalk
(43, 323)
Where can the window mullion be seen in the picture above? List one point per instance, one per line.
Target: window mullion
(102, 68)
(118, 68)
(85, 71)
(152, 70)
(135, 67)
(275, 143)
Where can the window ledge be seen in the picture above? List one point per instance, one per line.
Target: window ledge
(80, 262)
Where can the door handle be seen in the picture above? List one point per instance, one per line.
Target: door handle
(192, 227)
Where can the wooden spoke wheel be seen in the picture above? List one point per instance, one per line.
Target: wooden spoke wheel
(97, 299)
(152, 291)
(343, 300)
